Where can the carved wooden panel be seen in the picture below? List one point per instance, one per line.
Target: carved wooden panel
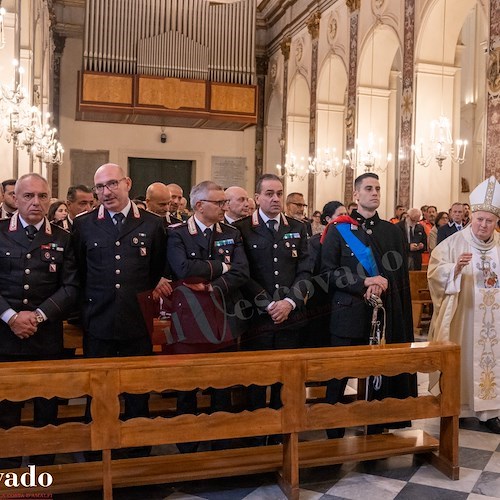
(104, 88)
(232, 99)
(171, 93)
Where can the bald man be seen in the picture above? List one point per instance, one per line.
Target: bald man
(158, 201)
(121, 253)
(176, 194)
(237, 205)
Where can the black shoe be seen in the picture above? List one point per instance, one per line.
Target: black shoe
(493, 424)
(335, 433)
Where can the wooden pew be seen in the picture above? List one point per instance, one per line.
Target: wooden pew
(105, 379)
(420, 296)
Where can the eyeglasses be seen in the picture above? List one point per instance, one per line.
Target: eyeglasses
(301, 205)
(220, 203)
(111, 185)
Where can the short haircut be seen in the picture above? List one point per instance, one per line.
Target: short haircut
(352, 204)
(359, 180)
(8, 182)
(262, 178)
(399, 206)
(199, 192)
(291, 196)
(71, 195)
(34, 175)
(456, 203)
(432, 206)
(423, 208)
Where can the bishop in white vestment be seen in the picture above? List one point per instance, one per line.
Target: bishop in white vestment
(464, 284)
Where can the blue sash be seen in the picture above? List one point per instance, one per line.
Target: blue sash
(363, 253)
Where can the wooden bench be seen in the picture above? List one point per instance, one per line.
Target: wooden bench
(420, 297)
(105, 379)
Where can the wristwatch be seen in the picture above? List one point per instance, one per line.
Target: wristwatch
(39, 317)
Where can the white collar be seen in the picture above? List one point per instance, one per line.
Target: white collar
(37, 225)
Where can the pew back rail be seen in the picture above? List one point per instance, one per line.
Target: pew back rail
(106, 379)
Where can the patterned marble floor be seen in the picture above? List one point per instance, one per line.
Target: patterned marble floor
(401, 478)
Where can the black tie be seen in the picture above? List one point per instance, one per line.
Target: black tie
(118, 219)
(208, 233)
(9, 214)
(271, 224)
(31, 232)
(412, 234)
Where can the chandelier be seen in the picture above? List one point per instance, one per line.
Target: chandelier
(22, 124)
(367, 157)
(366, 154)
(440, 146)
(325, 162)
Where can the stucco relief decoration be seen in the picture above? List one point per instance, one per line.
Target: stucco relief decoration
(332, 28)
(407, 104)
(353, 5)
(349, 120)
(285, 47)
(299, 51)
(494, 72)
(273, 73)
(378, 6)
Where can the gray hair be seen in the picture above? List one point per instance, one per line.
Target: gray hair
(200, 191)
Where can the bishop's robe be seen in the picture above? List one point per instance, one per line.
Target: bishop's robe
(467, 312)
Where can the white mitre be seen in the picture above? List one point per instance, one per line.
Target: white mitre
(486, 197)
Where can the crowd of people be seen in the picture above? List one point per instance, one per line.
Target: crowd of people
(241, 272)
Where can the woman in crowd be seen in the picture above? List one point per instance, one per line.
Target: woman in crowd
(441, 219)
(316, 225)
(58, 214)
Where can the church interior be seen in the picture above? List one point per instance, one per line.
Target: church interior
(317, 92)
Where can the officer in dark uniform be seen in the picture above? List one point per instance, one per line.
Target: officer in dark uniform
(210, 259)
(120, 251)
(38, 281)
(158, 201)
(276, 248)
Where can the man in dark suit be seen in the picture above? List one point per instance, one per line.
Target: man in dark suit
(38, 281)
(414, 234)
(210, 259)
(120, 251)
(176, 195)
(8, 206)
(362, 256)
(455, 224)
(79, 199)
(276, 247)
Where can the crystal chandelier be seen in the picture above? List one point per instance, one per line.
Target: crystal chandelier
(367, 157)
(440, 146)
(21, 124)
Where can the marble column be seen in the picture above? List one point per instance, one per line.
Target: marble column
(285, 50)
(59, 42)
(403, 175)
(353, 6)
(262, 65)
(313, 28)
(492, 166)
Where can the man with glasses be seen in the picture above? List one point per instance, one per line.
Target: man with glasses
(295, 207)
(208, 259)
(120, 251)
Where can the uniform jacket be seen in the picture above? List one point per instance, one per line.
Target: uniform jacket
(279, 263)
(207, 318)
(115, 267)
(39, 273)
